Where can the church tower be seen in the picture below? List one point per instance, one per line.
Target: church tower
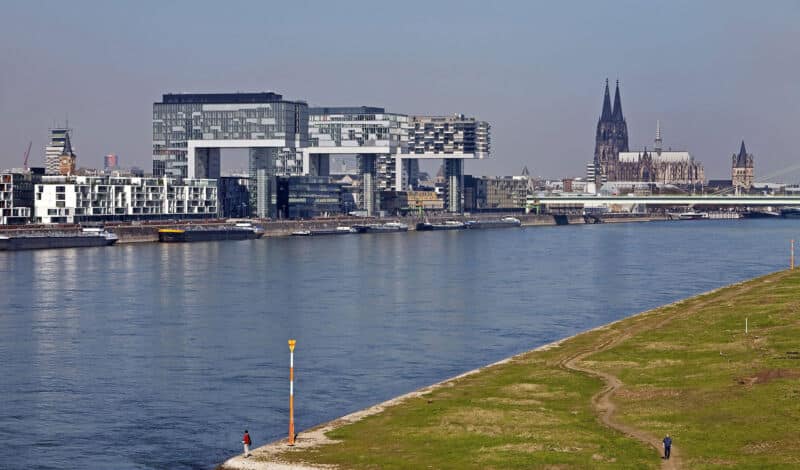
(611, 137)
(742, 170)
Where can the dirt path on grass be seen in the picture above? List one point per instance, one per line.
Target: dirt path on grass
(602, 400)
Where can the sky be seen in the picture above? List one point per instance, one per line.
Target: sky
(713, 72)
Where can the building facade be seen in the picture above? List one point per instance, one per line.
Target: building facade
(742, 170)
(190, 130)
(452, 138)
(611, 137)
(305, 197)
(614, 162)
(74, 199)
(16, 198)
(59, 157)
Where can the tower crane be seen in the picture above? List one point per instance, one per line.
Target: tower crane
(27, 154)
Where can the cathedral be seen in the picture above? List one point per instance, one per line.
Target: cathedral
(614, 162)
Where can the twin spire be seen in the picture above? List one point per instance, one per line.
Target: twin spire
(609, 113)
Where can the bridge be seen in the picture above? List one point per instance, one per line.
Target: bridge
(682, 200)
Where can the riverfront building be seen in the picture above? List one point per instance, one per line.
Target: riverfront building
(189, 131)
(73, 199)
(614, 162)
(454, 139)
(286, 138)
(16, 198)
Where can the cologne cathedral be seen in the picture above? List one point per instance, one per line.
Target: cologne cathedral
(614, 162)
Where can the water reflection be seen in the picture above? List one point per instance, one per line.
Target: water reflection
(145, 342)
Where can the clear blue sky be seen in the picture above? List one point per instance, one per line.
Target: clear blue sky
(713, 72)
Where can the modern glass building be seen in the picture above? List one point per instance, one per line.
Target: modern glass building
(189, 131)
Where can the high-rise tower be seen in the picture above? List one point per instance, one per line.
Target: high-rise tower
(611, 137)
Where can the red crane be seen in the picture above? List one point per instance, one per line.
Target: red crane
(27, 153)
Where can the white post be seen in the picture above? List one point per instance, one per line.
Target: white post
(745, 325)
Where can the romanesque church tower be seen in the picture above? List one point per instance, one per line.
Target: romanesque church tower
(742, 171)
(611, 138)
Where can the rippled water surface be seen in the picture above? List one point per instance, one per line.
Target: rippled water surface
(159, 356)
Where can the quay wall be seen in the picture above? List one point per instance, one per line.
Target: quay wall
(148, 231)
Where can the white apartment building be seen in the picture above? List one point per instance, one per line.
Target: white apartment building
(71, 199)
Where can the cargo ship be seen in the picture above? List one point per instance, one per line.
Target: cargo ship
(381, 228)
(447, 225)
(241, 231)
(45, 240)
(505, 222)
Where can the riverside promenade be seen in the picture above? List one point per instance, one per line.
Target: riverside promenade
(699, 369)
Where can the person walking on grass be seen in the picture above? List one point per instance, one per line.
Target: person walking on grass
(246, 443)
(667, 446)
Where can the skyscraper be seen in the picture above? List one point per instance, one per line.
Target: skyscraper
(58, 147)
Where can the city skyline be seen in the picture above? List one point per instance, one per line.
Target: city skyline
(535, 72)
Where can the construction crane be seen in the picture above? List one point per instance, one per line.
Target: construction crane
(27, 154)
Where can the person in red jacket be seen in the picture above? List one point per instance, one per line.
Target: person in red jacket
(246, 442)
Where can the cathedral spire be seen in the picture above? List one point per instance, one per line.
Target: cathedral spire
(616, 114)
(657, 146)
(742, 151)
(606, 114)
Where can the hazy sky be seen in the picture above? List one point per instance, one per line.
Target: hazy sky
(713, 72)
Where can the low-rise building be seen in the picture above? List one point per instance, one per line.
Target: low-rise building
(305, 197)
(16, 198)
(73, 199)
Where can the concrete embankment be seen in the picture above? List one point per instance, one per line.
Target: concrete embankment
(148, 232)
(601, 399)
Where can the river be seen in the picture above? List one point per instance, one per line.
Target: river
(153, 356)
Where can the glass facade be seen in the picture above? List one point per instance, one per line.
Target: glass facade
(304, 197)
(225, 116)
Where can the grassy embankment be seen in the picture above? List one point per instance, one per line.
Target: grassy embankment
(688, 369)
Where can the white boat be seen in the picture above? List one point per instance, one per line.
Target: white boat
(693, 215)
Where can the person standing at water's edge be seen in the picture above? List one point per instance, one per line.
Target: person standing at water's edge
(667, 446)
(246, 443)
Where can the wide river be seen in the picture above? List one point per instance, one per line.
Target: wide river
(154, 356)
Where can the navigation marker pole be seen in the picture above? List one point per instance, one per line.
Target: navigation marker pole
(291, 391)
(791, 255)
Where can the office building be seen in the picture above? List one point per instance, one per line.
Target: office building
(59, 157)
(374, 136)
(73, 199)
(190, 130)
(305, 197)
(234, 196)
(16, 198)
(454, 139)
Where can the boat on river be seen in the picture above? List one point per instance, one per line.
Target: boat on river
(447, 225)
(505, 222)
(790, 212)
(693, 215)
(381, 228)
(45, 240)
(200, 233)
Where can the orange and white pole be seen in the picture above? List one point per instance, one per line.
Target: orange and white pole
(291, 391)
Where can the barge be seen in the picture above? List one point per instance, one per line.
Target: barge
(505, 222)
(448, 225)
(87, 237)
(381, 228)
(242, 231)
